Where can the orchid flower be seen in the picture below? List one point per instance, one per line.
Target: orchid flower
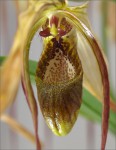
(70, 53)
(71, 59)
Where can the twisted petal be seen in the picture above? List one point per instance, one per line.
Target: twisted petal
(87, 34)
(92, 74)
(93, 82)
(33, 20)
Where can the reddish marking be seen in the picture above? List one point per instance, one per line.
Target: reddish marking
(61, 32)
(45, 33)
(54, 20)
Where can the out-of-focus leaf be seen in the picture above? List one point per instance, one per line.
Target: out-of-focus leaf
(2, 59)
(92, 109)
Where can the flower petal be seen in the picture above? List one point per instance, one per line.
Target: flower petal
(32, 20)
(92, 74)
(102, 67)
(92, 83)
(105, 82)
(80, 12)
(10, 72)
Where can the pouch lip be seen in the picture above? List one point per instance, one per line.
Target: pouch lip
(61, 84)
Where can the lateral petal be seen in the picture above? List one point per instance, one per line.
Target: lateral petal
(87, 34)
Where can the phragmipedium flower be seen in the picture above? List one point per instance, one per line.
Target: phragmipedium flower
(71, 58)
